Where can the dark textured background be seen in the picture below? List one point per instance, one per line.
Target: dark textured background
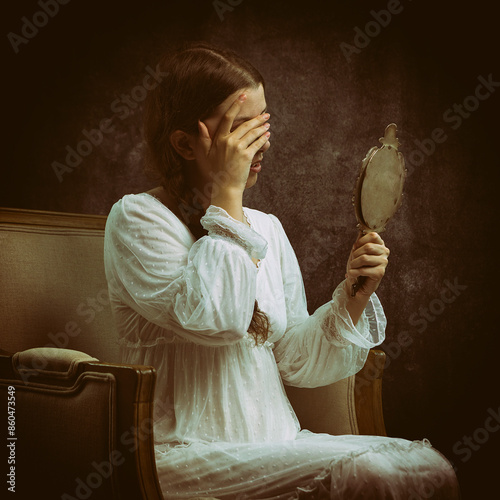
(327, 111)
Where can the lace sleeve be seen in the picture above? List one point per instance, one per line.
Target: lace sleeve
(339, 329)
(220, 224)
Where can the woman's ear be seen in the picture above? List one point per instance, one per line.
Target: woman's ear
(183, 144)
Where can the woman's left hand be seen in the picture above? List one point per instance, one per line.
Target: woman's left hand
(369, 258)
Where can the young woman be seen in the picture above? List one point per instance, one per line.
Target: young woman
(210, 293)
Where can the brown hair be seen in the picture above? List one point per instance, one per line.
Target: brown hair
(197, 78)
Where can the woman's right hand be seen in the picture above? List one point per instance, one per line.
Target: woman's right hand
(230, 152)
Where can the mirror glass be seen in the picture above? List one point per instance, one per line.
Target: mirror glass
(379, 187)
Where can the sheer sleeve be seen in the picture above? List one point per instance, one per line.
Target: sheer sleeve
(204, 290)
(324, 347)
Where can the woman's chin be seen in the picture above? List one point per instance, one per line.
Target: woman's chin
(252, 179)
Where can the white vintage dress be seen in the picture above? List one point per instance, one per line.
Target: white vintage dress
(224, 426)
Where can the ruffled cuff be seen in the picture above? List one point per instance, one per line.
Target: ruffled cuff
(339, 328)
(219, 223)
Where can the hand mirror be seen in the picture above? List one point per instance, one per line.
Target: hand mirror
(379, 187)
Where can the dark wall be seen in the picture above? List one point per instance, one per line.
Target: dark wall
(329, 104)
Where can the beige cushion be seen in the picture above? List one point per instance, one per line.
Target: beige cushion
(48, 361)
(329, 409)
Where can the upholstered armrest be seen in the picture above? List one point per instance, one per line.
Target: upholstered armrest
(350, 406)
(81, 428)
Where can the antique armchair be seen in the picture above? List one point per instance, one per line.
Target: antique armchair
(82, 422)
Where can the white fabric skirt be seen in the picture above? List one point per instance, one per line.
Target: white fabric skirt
(312, 466)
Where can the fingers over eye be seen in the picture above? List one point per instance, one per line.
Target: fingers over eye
(228, 118)
(252, 125)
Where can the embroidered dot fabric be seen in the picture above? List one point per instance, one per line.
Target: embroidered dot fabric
(223, 424)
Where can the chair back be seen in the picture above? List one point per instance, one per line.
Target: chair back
(52, 283)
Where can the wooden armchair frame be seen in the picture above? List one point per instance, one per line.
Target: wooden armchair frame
(121, 465)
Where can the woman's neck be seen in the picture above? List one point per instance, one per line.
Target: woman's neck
(200, 187)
